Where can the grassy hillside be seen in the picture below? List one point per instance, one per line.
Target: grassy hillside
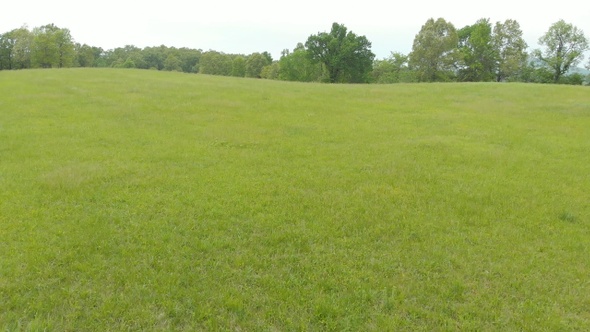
(138, 200)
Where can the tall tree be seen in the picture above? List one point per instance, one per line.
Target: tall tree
(52, 47)
(172, 62)
(22, 48)
(65, 48)
(434, 53)
(510, 49)
(154, 57)
(15, 49)
(478, 56)
(270, 72)
(238, 66)
(88, 56)
(125, 57)
(254, 64)
(7, 41)
(190, 59)
(565, 45)
(44, 49)
(346, 56)
(297, 66)
(216, 63)
(392, 70)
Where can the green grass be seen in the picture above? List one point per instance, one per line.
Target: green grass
(138, 200)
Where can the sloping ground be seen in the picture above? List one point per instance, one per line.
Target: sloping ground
(138, 200)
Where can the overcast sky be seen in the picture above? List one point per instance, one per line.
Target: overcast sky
(242, 26)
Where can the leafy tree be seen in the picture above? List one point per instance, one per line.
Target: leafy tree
(154, 57)
(534, 73)
(346, 56)
(270, 72)
(216, 63)
(383, 72)
(22, 48)
(238, 66)
(565, 45)
(510, 50)
(477, 52)
(5, 52)
(44, 47)
(6, 46)
(88, 56)
(65, 48)
(52, 47)
(572, 79)
(268, 57)
(254, 64)
(434, 53)
(392, 70)
(172, 62)
(297, 66)
(189, 59)
(15, 49)
(128, 64)
(118, 57)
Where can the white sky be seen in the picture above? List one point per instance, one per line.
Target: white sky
(247, 26)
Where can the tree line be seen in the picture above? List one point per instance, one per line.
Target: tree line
(481, 52)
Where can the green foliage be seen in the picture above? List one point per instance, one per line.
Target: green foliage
(510, 49)
(119, 56)
(155, 201)
(129, 63)
(15, 49)
(572, 79)
(297, 66)
(88, 56)
(434, 53)
(52, 47)
(238, 67)
(254, 64)
(533, 73)
(215, 63)
(392, 70)
(477, 52)
(271, 72)
(172, 63)
(153, 57)
(565, 45)
(440, 53)
(44, 48)
(346, 56)
(189, 59)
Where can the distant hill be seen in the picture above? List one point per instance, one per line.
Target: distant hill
(579, 70)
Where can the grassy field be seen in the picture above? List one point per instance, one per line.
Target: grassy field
(140, 200)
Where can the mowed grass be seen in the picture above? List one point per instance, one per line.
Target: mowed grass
(139, 200)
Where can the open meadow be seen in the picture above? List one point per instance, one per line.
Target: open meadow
(143, 200)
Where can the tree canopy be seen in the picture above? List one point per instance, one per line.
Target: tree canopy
(53, 47)
(346, 56)
(565, 45)
(297, 66)
(434, 53)
(477, 52)
(510, 50)
(481, 51)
